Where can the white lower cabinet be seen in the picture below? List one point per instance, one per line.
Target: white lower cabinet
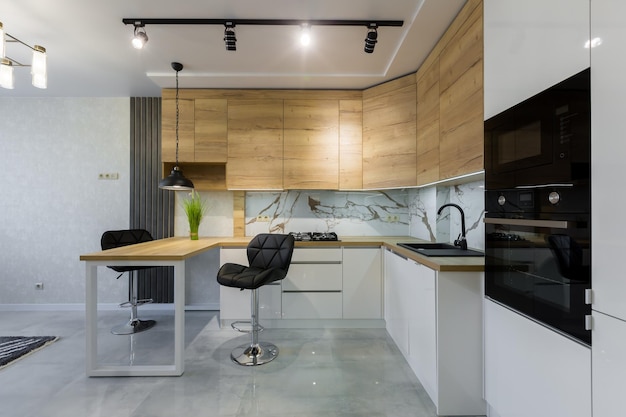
(362, 283)
(322, 284)
(609, 365)
(421, 299)
(435, 319)
(312, 288)
(531, 370)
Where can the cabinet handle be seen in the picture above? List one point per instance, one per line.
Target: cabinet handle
(315, 262)
(554, 224)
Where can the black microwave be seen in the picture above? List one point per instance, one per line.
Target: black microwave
(544, 139)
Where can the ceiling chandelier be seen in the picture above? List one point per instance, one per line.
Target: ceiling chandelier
(140, 38)
(38, 66)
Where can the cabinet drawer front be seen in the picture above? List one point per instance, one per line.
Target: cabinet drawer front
(312, 305)
(313, 277)
(316, 255)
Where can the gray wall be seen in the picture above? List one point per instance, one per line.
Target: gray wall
(53, 206)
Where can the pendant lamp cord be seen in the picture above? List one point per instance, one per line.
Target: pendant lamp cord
(177, 115)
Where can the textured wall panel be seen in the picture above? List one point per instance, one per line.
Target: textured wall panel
(150, 208)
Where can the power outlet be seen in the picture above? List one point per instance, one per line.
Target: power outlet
(108, 176)
(393, 219)
(39, 285)
(263, 219)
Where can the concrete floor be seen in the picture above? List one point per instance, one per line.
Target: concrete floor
(319, 372)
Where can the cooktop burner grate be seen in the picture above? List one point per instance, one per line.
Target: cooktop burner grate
(314, 236)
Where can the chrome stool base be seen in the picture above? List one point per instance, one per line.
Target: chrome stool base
(133, 327)
(257, 354)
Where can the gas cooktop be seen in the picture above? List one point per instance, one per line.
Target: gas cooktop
(314, 236)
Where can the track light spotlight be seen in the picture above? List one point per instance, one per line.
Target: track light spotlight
(229, 36)
(371, 39)
(305, 35)
(140, 37)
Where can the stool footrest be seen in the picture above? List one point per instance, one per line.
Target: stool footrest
(137, 303)
(235, 326)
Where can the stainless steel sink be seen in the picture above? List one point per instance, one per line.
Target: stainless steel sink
(439, 249)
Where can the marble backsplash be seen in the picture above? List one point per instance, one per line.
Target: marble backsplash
(397, 212)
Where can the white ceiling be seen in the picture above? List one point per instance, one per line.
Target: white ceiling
(90, 55)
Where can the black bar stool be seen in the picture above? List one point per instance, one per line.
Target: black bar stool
(269, 256)
(115, 239)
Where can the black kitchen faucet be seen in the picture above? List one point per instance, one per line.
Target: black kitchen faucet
(460, 240)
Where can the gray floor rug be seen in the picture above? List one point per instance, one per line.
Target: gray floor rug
(13, 348)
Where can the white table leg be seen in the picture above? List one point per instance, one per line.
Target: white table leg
(91, 321)
(91, 306)
(179, 317)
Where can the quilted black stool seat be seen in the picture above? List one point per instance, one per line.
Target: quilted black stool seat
(269, 256)
(115, 239)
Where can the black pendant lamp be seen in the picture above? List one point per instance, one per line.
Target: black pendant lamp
(176, 181)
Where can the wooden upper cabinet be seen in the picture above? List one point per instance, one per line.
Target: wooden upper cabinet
(350, 144)
(255, 144)
(202, 130)
(311, 152)
(186, 134)
(211, 130)
(461, 100)
(428, 123)
(389, 134)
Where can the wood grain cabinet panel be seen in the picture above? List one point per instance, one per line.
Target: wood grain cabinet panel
(186, 134)
(461, 100)
(311, 153)
(350, 144)
(428, 123)
(210, 139)
(255, 144)
(389, 134)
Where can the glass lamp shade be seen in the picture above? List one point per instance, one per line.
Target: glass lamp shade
(176, 181)
(2, 42)
(39, 68)
(6, 74)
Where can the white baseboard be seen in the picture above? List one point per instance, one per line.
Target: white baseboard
(102, 307)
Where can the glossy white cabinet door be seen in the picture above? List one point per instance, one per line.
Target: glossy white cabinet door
(421, 299)
(608, 150)
(362, 284)
(609, 365)
(531, 45)
(435, 319)
(533, 371)
(396, 320)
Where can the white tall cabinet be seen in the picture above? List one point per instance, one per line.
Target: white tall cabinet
(608, 109)
(529, 46)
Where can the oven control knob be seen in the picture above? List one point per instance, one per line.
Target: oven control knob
(501, 200)
(554, 197)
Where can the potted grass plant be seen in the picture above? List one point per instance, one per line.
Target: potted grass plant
(195, 209)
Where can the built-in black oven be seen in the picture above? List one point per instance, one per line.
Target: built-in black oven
(538, 207)
(544, 139)
(538, 255)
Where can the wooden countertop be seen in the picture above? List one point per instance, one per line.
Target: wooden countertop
(181, 248)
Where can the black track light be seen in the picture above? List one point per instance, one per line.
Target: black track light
(229, 36)
(371, 38)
